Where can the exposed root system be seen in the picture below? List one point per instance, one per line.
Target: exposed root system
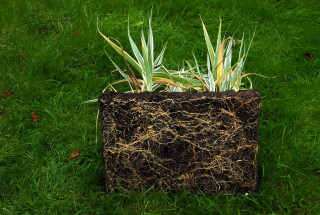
(202, 142)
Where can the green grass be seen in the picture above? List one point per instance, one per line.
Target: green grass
(61, 69)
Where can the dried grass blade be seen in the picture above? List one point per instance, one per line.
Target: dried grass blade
(227, 73)
(204, 86)
(165, 81)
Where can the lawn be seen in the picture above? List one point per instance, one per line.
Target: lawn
(53, 59)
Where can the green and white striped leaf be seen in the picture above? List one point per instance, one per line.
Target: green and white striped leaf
(135, 49)
(134, 63)
(208, 43)
(158, 60)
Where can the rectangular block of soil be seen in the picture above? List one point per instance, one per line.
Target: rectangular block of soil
(201, 142)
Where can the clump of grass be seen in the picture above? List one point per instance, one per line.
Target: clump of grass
(151, 70)
(220, 75)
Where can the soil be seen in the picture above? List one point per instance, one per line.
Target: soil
(201, 142)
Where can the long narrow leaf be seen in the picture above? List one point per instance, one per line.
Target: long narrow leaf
(158, 60)
(197, 65)
(224, 75)
(216, 58)
(208, 43)
(125, 80)
(149, 71)
(244, 75)
(204, 86)
(188, 82)
(150, 43)
(135, 48)
(166, 81)
(144, 50)
(208, 63)
(220, 62)
(134, 63)
(226, 85)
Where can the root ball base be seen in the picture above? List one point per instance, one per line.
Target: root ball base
(201, 142)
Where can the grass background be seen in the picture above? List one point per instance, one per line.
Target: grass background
(53, 58)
